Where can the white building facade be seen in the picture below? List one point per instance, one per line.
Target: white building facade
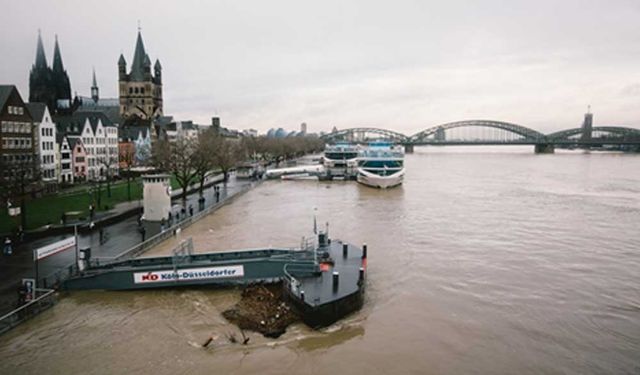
(65, 173)
(101, 143)
(46, 143)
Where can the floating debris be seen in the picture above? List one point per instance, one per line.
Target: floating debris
(261, 309)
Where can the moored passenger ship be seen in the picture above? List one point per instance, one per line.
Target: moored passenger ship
(381, 165)
(340, 160)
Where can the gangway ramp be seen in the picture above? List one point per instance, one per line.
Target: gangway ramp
(217, 268)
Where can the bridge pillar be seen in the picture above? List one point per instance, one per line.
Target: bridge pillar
(544, 148)
(408, 149)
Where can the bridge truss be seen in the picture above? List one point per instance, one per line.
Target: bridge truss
(365, 135)
(488, 132)
(505, 132)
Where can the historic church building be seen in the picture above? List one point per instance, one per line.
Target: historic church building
(140, 89)
(49, 85)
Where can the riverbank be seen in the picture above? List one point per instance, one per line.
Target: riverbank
(119, 236)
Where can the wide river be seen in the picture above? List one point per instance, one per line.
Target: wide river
(486, 261)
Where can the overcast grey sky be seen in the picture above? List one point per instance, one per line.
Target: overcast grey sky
(403, 65)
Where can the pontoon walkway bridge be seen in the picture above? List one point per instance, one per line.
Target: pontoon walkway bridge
(488, 132)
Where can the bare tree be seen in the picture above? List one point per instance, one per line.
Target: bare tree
(127, 158)
(177, 158)
(205, 158)
(227, 154)
(106, 165)
(19, 179)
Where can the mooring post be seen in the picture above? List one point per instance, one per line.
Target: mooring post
(364, 251)
(361, 275)
(302, 295)
(336, 280)
(345, 249)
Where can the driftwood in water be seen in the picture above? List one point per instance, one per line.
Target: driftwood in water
(263, 310)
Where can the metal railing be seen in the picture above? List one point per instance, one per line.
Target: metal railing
(28, 310)
(142, 247)
(55, 279)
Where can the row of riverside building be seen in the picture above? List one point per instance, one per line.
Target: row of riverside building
(53, 139)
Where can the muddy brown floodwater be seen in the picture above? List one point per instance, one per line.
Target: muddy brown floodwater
(486, 261)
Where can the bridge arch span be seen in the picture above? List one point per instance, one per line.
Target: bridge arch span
(527, 133)
(346, 133)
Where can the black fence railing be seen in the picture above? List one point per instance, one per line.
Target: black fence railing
(45, 299)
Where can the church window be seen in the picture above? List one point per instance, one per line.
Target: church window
(142, 90)
(130, 90)
(137, 90)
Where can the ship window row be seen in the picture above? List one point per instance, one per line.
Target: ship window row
(341, 155)
(382, 164)
(381, 154)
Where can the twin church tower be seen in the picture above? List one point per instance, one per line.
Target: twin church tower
(139, 90)
(48, 84)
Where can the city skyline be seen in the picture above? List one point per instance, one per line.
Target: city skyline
(406, 67)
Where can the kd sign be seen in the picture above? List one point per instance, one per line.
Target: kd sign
(150, 277)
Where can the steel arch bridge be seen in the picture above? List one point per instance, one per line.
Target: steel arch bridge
(529, 135)
(507, 134)
(353, 135)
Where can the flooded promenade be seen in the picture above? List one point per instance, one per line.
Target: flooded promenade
(486, 260)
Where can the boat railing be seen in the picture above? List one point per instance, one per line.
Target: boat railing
(293, 271)
(182, 253)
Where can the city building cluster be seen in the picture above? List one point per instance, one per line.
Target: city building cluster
(56, 139)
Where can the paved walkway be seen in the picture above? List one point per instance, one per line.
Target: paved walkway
(116, 238)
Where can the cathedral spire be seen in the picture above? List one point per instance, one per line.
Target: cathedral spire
(59, 77)
(57, 58)
(139, 57)
(94, 88)
(41, 58)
